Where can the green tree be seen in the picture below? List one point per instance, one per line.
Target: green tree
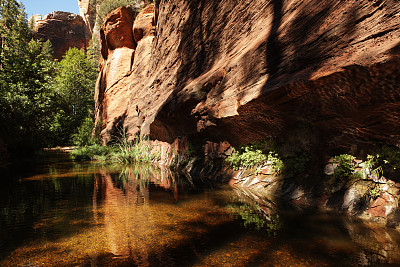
(42, 102)
(73, 89)
(14, 32)
(25, 74)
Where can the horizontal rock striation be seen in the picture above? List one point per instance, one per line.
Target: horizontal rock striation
(309, 72)
(64, 30)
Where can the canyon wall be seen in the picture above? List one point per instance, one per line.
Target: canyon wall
(312, 73)
(88, 13)
(63, 29)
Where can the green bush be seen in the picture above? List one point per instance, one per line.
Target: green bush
(246, 157)
(83, 136)
(374, 191)
(276, 163)
(90, 152)
(345, 166)
(388, 157)
(267, 152)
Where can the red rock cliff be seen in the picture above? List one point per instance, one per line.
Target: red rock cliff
(244, 70)
(64, 30)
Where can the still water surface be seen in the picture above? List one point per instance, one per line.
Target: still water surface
(61, 213)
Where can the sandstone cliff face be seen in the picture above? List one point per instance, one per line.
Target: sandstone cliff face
(64, 30)
(310, 72)
(86, 11)
(126, 44)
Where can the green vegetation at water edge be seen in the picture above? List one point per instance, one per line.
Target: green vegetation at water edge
(123, 152)
(268, 153)
(384, 162)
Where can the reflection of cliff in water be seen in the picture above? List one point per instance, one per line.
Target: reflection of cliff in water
(115, 204)
(122, 202)
(142, 216)
(341, 239)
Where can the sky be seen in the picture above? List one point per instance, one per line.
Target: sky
(43, 7)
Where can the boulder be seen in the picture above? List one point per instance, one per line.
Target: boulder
(243, 71)
(143, 25)
(64, 30)
(116, 31)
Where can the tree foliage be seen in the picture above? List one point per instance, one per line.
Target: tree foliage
(42, 101)
(73, 88)
(26, 70)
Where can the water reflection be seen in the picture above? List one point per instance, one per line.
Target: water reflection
(256, 212)
(66, 214)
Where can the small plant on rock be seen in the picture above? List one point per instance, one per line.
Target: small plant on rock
(374, 191)
(345, 166)
(277, 164)
(371, 167)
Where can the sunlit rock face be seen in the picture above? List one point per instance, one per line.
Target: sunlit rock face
(87, 12)
(64, 30)
(127, 39)
(308, 72)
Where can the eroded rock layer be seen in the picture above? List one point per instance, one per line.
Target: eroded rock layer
(321, 72)
(64, 30)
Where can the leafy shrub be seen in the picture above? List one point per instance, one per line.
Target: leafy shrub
(246, 157)
(83, 136)
(276, 163)
(374, 191)
(90, 152)
(371, 167)
(389, 159)
(345, 166)
(267, 152)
